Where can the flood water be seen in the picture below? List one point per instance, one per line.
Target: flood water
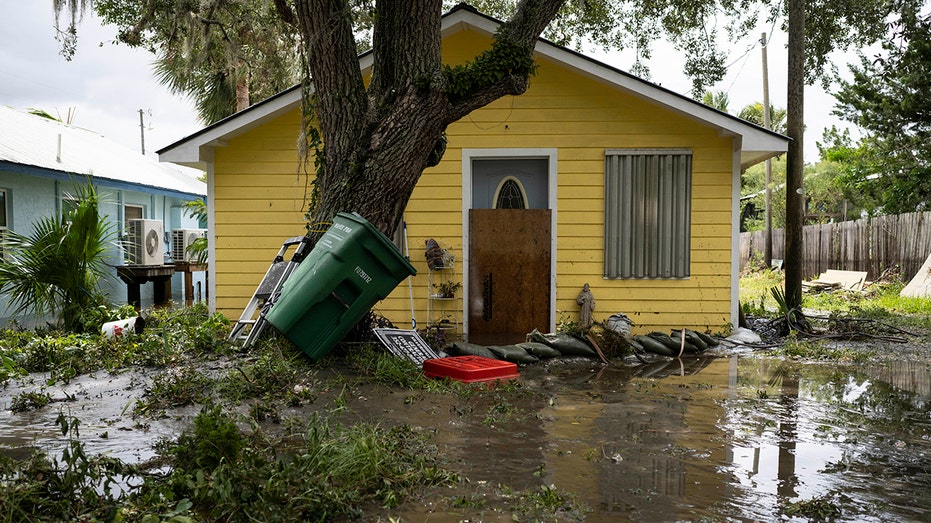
(726, 438)
(103, 404)
(715, 439)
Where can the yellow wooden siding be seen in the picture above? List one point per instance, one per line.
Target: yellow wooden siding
(259, 198)
(583, 117)
(258, 202)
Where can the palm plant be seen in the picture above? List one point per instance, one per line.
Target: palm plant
(56, 269)
(753, 113)
(793, 319)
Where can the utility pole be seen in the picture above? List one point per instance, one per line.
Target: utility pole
(768, 124)
(795, 167)
(141, 132)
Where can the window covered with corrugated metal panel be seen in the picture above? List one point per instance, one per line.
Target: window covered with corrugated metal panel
(648, 195)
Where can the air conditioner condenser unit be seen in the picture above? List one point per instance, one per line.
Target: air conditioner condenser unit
(181, 239)
(145, 242)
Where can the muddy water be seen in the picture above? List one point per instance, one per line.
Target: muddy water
(728, 438)
(103, 405)
(714, 439)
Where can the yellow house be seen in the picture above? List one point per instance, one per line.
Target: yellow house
(592, 176)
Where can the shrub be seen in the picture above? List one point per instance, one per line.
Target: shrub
(56, 269)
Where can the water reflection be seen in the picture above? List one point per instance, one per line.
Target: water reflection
(742, 437)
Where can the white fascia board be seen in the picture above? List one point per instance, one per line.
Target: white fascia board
(463, 19)
(197, 149)
(759, 147)
(765, 141)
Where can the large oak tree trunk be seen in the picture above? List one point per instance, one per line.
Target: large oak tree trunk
(378, 141)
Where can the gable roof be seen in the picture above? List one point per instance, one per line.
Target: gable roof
(756, 144)
(38, 146)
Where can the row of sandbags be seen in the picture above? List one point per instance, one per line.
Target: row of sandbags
(538, 346)
(685, 341)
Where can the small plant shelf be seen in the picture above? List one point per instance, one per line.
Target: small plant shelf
(444, 301)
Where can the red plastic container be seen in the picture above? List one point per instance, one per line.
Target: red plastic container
(470, 369)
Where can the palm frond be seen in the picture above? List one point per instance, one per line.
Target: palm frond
(57, 268)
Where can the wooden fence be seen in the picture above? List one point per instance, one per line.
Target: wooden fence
(867, 244)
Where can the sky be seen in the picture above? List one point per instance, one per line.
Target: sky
(105, 86)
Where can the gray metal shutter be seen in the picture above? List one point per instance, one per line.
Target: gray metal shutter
(648, 205)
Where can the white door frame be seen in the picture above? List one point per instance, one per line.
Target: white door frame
(472, 154)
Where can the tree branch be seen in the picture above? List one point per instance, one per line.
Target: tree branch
(506, 67)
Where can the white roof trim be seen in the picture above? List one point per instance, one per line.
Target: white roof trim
(197, 148)
(757, 144)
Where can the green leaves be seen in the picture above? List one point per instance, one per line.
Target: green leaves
(223, 54)
(56, 269)
(890, 99)
(503, 60)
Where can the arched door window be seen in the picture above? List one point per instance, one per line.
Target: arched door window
(510, 194)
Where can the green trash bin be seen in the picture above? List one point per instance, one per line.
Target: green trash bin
(351, 268)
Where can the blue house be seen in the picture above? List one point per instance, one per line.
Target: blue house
(43, 161)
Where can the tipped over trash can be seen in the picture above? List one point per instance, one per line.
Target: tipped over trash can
(350, 269)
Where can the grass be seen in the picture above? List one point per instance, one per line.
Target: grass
(30, 400)
(821, 350)
(269, 375)
(546, 503)
(879, 301)
(231, 465)
(371, 362)
(218, 472)
(823, 508)
(328, 472)
(755, 295)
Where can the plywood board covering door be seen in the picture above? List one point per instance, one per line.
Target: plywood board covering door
(509, 274)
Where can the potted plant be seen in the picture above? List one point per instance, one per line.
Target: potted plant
(447, 289)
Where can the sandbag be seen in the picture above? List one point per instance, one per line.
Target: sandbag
(462, 348)
(635, 344)
(691, 337)
(619, 323)
(540, 350)
(666, 340)
(711, 341)
(674, 344)
(566, 344)
(512, 353)
(651, 345)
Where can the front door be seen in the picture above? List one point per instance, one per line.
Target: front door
(509, 250)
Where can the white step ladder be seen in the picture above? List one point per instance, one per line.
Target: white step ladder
(249, 327)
